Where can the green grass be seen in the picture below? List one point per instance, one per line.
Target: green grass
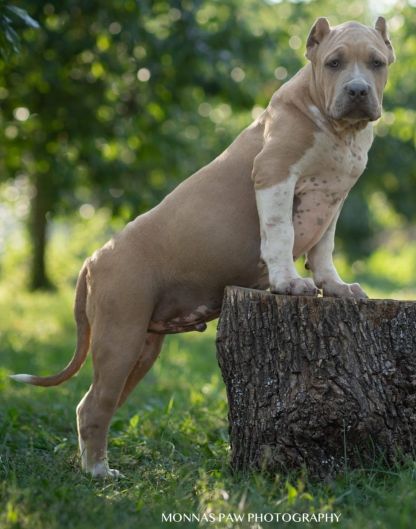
(170, 440)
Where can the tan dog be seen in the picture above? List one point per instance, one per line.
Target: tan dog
(166, 271)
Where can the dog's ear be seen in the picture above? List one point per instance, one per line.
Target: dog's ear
(319, 30)
(381, 27)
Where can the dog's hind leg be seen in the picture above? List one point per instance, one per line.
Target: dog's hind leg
(151, 349)
(116, 347)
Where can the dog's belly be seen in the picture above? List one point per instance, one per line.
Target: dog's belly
(189, 308)
(193, 320)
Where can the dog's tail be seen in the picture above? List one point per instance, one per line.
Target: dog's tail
(83, 340)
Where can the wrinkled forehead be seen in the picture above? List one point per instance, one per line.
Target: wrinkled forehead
(354, 41)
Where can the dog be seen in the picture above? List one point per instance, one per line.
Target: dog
(273, 195)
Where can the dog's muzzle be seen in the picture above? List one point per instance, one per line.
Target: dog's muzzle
(357, 102)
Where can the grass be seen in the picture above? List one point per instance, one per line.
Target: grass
(170, 440)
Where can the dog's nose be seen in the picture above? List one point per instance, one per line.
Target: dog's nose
(357, 90)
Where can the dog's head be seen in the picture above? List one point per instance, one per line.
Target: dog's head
(350, 64)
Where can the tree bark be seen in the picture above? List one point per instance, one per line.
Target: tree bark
(321, 383)
(40, 206)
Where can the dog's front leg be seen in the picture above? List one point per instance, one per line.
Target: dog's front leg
(320, 262)
(275, 205)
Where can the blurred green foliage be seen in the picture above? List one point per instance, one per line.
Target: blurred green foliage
(112, 104)
(11, 18)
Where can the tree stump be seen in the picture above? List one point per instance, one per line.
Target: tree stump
(321, 383)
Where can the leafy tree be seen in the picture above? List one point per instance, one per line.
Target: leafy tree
(113, 104)
(107, 100)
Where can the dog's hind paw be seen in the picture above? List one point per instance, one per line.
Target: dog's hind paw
(102, 471)
(115, 474)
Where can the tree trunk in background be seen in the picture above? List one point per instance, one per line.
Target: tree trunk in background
(40, 205)
(324, 383)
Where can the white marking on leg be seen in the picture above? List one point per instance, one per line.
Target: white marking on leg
(82, 445)
(274, 205)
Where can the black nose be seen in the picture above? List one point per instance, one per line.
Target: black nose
(357, 90)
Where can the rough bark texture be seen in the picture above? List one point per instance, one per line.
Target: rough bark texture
(41, 204)
(318, 382)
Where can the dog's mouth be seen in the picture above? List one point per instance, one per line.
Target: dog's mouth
(356, 113)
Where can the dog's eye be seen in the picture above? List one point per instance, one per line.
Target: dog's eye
(334, 64)
(376, 63)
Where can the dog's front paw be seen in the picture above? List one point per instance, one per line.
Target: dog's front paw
(339, 289)
(297, 286)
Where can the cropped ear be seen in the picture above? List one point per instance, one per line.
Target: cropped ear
(319, 30)
(381, 27)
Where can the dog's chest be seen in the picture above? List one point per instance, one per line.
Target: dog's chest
(331, 163)
(326, 173)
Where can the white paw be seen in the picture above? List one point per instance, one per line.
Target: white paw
(337, 289)
(102, 470)
(297, 286)
(115, 474)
